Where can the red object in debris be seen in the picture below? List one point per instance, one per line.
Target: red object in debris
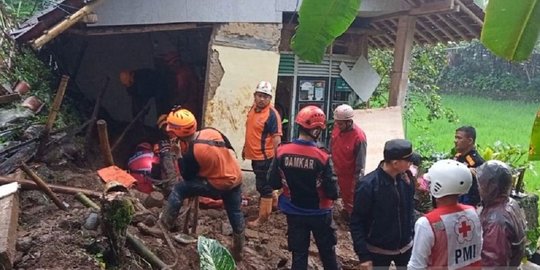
(140, 167)
(22, 88)
(33, 103)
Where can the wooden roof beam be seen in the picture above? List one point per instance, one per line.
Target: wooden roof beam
(385, 37)
(430, 31)
(391, 25)
(470, 13)
(440, 27)
(465, 25)
(452, 26)
(373, 42)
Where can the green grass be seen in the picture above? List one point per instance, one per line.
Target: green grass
(507, 121)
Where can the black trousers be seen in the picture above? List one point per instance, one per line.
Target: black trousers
(400, 260)
(260, 168)
(299, 229)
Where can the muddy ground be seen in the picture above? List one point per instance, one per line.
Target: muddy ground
(49, 238)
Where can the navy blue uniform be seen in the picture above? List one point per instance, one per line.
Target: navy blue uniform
(304, 172)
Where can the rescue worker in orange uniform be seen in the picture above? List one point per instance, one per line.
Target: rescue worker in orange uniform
(465, 146)
(303, 171)
(209, 168)
(450, 236)
(263, 135)
(348, 147)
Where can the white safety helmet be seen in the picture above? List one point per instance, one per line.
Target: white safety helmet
(264, 87)
(448, 177)
(343, 112)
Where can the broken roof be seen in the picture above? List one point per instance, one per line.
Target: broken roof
(436, 21)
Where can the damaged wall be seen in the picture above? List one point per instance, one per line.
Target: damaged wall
(240, 55)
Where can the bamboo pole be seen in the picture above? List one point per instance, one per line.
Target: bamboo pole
(65, 24)
(104, 142)
(130, 125)
(28, 184)
(43, 186)
(132, 240)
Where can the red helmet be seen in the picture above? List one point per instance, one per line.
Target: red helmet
(144, 146)
(311, 117)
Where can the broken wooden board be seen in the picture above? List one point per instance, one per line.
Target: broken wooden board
(9, 211)
(380, 125)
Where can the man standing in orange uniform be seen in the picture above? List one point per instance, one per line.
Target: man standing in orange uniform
(348, 146)
(263, 135)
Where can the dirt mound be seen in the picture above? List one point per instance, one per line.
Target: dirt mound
(49, 238)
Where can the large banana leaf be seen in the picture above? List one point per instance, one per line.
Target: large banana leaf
(534, 148)
(511, 27)
(319, 23)
(213, 255)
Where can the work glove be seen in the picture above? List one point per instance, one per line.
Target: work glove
(164, 147)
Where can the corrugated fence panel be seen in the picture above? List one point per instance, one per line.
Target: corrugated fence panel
(286, 64)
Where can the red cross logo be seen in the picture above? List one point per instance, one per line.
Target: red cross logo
(463, 228)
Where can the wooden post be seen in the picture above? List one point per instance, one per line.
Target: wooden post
(195, 220)
(402, 58)
(43, 186)
(53, 113)
(56, 103)
(104, 142)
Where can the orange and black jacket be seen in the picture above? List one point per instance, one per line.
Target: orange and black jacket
(210, 157)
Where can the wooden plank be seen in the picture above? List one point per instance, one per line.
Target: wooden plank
(115, 30)
(9, 211)
(380, 125)
(402, 58)
(9, 98)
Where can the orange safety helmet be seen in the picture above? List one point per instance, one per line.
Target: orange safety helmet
(311, 117)
(126, 78)
(181, 122)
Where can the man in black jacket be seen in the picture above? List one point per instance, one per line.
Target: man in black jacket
(382, 219)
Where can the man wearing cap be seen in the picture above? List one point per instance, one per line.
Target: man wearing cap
(348, 146)
(382, 218)
(263, 135)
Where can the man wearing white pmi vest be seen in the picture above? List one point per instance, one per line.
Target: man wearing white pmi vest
(450, 236)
